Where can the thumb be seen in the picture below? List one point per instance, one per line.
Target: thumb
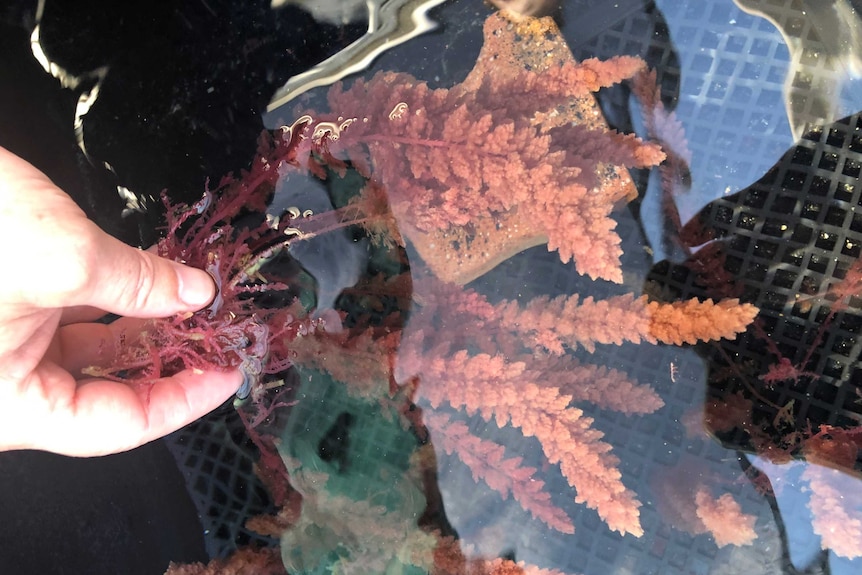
(135, 283)
(67, 260)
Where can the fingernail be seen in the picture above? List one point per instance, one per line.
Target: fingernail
(197, 288)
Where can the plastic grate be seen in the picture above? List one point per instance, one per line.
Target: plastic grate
(794, 231)
(216, 459)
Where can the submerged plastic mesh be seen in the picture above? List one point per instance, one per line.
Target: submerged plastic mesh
(795, 230)
(789, 239)
(216, 459)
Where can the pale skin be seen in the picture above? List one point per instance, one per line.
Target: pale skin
(60, 272)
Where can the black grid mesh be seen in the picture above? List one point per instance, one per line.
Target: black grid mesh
(216, 459)
(789, 239)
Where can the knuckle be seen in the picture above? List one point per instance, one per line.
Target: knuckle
(77, 267)
(141, 282)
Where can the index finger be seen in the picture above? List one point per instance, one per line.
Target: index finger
(109, 417)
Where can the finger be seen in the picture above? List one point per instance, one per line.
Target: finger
(136, 283)
(108, 417)
(81, 345)
(178, 400)
(114, 417)
(79, 264)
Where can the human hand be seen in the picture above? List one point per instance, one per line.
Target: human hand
(61, 272)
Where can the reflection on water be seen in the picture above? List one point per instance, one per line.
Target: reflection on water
(454, 429)
(571, 315)
(825, 43)
(390, 23)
